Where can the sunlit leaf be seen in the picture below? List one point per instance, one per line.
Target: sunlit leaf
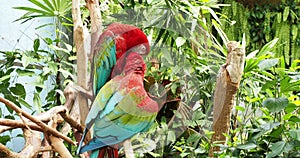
(25, 61)
(267, 47)
(25, 72)
(285, 13)
(23, 102)
(3, 78)
(267, 63)
(180, 41)
(37, 102)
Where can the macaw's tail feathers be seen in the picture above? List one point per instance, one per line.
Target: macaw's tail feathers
(92, 145)
(81, 141)
(105, 152)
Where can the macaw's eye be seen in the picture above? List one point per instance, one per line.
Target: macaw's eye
(142, 49)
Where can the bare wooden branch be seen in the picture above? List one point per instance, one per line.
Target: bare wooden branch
(82, 49)
(72, 122)
(57, 143)
(33, 142)
(70, 93)
(5, 152)
(226, 87)
(17, 124)
(45, 127)
(96, 22)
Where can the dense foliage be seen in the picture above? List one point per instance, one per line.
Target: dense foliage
(188, 47)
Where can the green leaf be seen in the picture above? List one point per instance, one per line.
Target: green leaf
(3, 78)
(174, 88)
(49, 41)
(220, 31)
(180, 41)
(277, 148)
(4, 139)
(240, 108)
(267, 47)
(53, 67)
(267, 63)
(65, 73)
(287, 85)
(171, 136)
(276, 104)
(167, 56)
(36, 11)
(25, 60)
(193, 138)
(197, 115)
(55, 48)
(23, 102)
(37, 102)
(252, 54)
(49, 4)
(294, 119)
(250, 65)
(18, 90)
(265, 128)
(285, 13)
(25, 72)
(42, 6)
(246, 146)
(295, 134)
(36, 45)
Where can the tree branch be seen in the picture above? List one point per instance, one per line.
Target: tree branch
(4, 151)
(17, 124)
(57, 143)
(45, 127)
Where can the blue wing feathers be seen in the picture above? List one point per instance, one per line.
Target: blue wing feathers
(104, 60)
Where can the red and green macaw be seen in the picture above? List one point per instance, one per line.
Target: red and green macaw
(117, 40)
(121, 109)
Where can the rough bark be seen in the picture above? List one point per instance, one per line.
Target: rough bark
(96, 23)
(226, 87)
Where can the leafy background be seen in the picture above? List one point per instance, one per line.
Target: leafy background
(188, 47)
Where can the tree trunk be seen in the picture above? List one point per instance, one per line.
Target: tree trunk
(82, 49)
(226, 87)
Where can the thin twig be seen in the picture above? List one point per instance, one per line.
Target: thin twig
(21, 117)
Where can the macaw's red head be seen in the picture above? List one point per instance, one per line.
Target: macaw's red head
(129, 63)
(129, 39)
